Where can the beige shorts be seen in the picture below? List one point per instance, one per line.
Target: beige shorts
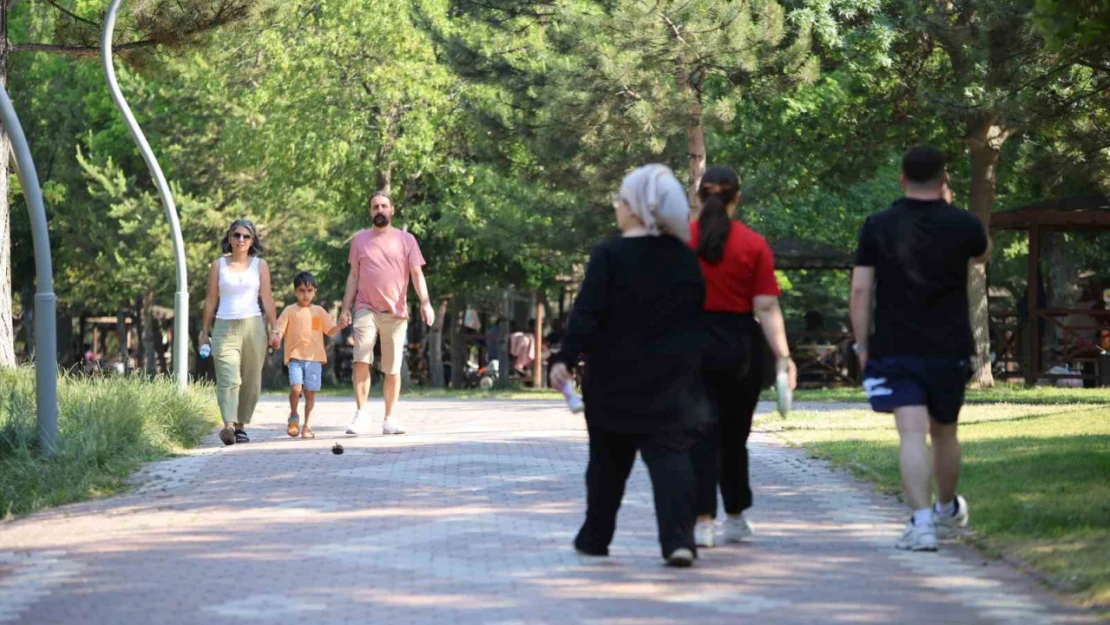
(368, 324)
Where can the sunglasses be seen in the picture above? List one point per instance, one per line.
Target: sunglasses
(239, 236)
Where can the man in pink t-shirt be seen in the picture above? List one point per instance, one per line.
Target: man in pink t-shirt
(382, 260)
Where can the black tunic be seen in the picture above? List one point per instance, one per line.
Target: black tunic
(636, 323)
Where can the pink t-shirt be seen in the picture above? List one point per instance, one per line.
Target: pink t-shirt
(384, 261)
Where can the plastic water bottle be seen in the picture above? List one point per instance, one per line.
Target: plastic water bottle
(785, 396)
(574, 400)
(205, 350)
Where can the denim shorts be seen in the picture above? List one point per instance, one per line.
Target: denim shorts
(307, 373)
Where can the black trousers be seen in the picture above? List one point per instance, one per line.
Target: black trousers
(720, 456)
(667, 457)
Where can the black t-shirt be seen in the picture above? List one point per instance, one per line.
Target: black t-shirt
(637, 322)
(920, 251)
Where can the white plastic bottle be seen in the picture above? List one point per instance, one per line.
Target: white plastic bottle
(574, 400)
(205, 350)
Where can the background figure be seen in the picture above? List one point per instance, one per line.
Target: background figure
(239, 280)
(912, 261)
(740, 287)
(634, 321)
(382, 260)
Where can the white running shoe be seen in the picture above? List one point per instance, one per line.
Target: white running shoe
(359, 425)
(681, 557)
(736, 530)
(392, 425)
(705, 534)
(918, 537)
(946, 524)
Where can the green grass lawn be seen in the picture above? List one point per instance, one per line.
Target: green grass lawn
(1037, 479)
(1004, 393)
(107, 427)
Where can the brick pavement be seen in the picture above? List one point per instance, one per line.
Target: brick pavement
(469, 519)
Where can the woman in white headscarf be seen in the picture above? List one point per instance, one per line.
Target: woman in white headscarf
(636, 324)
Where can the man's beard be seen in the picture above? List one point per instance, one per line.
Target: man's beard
(381, 220)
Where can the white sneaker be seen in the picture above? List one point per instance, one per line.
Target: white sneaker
(705, 534)
(359, 425)
(736, 530)
(946, 524)
(681, 557)
(918, 537)
(392, 425)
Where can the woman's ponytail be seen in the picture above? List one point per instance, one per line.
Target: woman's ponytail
(719, 187)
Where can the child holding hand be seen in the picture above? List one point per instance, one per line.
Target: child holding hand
(303, 326)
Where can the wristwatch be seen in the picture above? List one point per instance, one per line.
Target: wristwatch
(859, 349)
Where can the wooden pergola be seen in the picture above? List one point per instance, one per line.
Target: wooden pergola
(820, 354)
(1079, 214)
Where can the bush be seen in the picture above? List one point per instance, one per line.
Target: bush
(106, 428)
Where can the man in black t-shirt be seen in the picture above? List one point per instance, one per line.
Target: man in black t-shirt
(913, 258)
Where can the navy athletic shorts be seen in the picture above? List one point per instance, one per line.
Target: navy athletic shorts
(938, 384)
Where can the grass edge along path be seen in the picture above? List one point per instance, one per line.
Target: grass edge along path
(1010, 394)
(107, 428)
(1035, 477)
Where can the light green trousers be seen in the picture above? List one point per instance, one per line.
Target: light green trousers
(238, 351)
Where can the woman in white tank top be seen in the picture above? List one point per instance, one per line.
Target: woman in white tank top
(239, 280)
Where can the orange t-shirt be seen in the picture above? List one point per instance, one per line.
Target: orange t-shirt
(304, 328)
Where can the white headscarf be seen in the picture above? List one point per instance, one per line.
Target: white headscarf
(658, 199)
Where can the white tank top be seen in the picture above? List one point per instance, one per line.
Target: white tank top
(239, 291)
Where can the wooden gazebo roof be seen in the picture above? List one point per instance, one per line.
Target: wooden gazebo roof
(793, 253)
(1078, 214)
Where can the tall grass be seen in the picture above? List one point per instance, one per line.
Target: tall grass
(106, 428)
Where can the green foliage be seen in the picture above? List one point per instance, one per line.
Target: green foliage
(502, 128)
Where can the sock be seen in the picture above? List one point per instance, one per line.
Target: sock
(923, 517)
(947, 509)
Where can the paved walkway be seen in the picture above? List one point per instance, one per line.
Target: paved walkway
(469, 519)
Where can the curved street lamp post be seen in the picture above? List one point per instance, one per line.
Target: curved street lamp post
(181, 298)
(46, 336)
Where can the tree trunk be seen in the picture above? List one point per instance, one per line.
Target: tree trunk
(695, 143)
(385, 180)
(458, 344)
(503, 356)
(150, 326)
(537, 367)
(160, 348)
(435, 347)
(121, 335)
(137, 331)
(65, 346)
(985, 141)
(82, 332)
(27, 298)
(7, 332)
(695, 130)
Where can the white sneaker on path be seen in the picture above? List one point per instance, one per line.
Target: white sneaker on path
(359, 425)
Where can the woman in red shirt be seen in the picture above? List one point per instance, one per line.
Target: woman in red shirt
(741, 307)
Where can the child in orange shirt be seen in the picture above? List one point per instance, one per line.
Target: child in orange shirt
(303, 327)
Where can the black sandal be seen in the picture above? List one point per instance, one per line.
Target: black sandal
(241, 436)
(227, 435)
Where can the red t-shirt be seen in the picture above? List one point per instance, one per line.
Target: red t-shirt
(746, 270)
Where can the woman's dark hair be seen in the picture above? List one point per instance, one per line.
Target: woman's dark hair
(719, 187)
(257, 248)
